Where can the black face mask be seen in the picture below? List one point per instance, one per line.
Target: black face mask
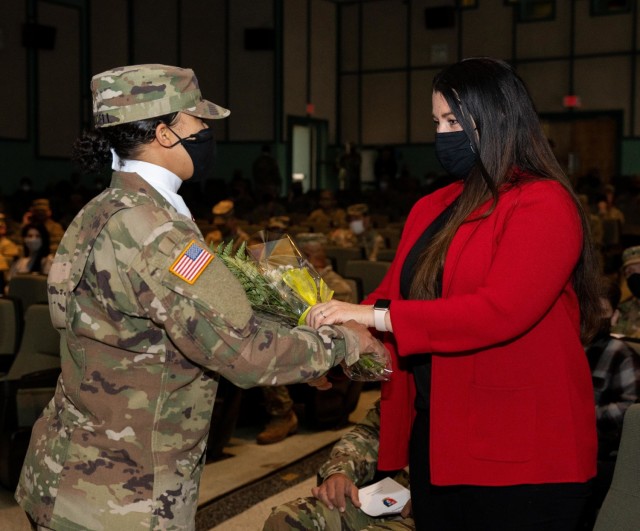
(633, 281)
(455, 153)
(201, 147)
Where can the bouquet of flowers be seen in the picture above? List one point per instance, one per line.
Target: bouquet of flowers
(280, 282)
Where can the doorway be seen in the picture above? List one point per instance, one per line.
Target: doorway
(307, 152)
(586, 144)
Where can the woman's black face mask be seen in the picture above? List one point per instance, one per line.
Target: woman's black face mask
(201, 147)
(455, 153)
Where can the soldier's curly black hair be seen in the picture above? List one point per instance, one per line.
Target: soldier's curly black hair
(92, 150)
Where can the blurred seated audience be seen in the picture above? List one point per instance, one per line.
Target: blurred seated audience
(298, 203)
(359, 233)
(36, 257)
(335, 504)
(328, 214)
(628, 323)
(278, 225)
(607, 210)
(22, 198)
(628, 201)
(240, 190)
(40, 213)
(9, 251)
(266, 173)
(597, 228)
(226, 227)
(268, 207)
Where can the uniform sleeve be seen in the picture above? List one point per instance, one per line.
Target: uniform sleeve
(536, 250)
(356, 453)
(211, 322)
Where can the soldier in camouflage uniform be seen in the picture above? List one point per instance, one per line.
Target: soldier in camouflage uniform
(143, 308)
(352, 463)
(628, 320)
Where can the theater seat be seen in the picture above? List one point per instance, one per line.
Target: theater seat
(29, 288)
(339, 256)
(620, 510)
(369, 273)
(27, 389)
(10, 331)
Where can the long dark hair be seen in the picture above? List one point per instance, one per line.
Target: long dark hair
(45, 248)
(92, 151)
(494, 108)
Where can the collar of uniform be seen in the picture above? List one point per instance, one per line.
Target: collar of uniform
(165, 182)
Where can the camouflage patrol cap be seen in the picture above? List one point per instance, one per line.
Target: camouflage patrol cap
(40, 204)
(131, 93)
(278, 222)
(359, 209)
(631, 255)
(223, 208)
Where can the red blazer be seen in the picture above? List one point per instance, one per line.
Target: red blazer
(511, 395)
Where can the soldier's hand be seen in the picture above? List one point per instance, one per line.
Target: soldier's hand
(321, 384)
(367, 342)
(406, 510)
(335, 490)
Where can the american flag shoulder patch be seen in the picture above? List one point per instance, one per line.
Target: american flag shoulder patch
(192, 261)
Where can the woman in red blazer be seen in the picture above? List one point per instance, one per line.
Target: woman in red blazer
(483, 310)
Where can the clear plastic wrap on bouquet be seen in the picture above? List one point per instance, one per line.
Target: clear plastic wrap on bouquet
(289, 273)
(371, 367)
(280, 281)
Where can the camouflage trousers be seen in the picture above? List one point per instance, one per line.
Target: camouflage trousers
(311, 514)
(278, 403)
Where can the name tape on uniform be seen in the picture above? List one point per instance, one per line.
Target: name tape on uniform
(192, 262)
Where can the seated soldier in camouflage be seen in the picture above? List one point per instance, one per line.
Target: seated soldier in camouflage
(628, 322)
(335, 503)
(146, 315)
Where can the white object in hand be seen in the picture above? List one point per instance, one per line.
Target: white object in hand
(384, 497)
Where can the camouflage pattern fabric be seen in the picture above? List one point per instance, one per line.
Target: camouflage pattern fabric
(122, 443)
(278, 402)
(131, 93)
(629, 321)
(354, 455)
(310, 513)
(372, 243)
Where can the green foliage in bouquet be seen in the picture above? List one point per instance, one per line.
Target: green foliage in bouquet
(261, 294)
(265, 298)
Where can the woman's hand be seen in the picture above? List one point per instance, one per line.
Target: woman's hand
(335, 490)
(337, 312)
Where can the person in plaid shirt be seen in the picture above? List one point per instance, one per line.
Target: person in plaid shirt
(615, 369)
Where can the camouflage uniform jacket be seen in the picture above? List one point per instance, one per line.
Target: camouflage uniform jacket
(122, 443)
(356, 454)
(629, 321)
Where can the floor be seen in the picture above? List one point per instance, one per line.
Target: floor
(248, 463)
